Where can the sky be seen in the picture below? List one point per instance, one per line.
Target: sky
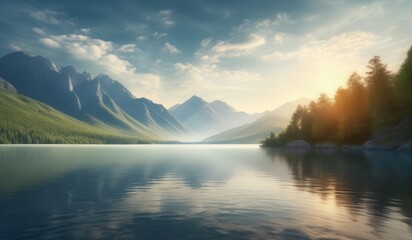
(254, 55)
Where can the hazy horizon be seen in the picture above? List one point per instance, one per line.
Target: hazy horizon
(253, 57)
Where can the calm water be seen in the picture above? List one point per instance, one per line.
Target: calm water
(202, 192)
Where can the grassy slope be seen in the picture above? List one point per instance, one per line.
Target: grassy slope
(24, 120)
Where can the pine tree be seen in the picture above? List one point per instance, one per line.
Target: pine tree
(382, 100)
(403, 82)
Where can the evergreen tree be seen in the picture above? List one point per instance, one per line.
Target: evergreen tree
(324, 126)
(382, 100)
(352, 113)
(403, 83)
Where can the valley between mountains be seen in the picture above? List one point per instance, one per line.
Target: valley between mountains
(41, 102)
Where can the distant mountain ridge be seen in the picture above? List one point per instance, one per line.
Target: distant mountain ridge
(206, 119)
(101, 100)
(287, 109)
(273, 121)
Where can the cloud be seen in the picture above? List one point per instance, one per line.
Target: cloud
(207, 77)
(14, 47)
(165, 17)
(101, 56)
(253, 42)
(51, 17)
(48, 42)
(205, 42)
(224, 49)
(356, 15)
(170, 48)
(115, 65)
(279, 37)
(344, 44)
(38, 31)
(159, 35)
(128, 48)
(277, 55)
(264, 27)
(85, 30)
(83, 47)
(252, 38)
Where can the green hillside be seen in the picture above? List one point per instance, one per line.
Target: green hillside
(24, 120)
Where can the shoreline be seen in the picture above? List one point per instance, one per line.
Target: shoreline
(368, 146)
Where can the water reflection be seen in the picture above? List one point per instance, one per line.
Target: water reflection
(375, 182)
(167, 192)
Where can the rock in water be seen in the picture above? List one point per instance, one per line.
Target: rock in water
(375, 146)
(325, 146)
(407, 147)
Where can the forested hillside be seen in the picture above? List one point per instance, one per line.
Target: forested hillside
(24, 120)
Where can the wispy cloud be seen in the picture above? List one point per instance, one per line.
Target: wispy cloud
(38, 31)
(14, 47)
(224, 49)
(85, 30)
(344, 44)
(170, 48)
(252, 42)
(159, 35)
(263, 27)
(128, 48)
(48, 42)
(51, 17)
(163, 17)
(279, 37)
(210, 77)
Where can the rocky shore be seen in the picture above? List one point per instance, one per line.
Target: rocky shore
(367, 146)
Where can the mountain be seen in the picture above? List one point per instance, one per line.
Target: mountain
(273, 121)
(106, 100)
(69, 72)
(252, 132)
(39, 78)
(286, 110)
(99, 101)
(206, 119)
(25, 120)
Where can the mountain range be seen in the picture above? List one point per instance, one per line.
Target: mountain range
(99, 101)
(274, 121)
(206, 119)
(104, 103)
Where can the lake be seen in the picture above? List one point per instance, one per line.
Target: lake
(202, 192)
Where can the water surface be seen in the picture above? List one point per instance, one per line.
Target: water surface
(202, 192)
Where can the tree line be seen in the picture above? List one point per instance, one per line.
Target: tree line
(366, 107)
